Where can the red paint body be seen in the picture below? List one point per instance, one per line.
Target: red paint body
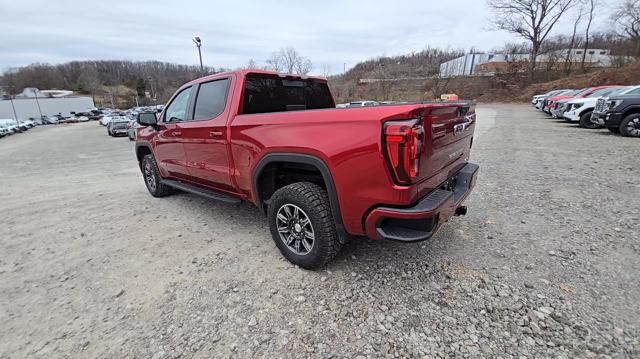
(222, 153)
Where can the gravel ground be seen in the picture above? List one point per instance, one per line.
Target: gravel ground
(545, 264)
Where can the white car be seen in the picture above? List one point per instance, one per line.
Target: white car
(28, 123)
(9, 129)
(538, 100)
(363, 103)
(108, 118)
(535, 99)
(580, 109)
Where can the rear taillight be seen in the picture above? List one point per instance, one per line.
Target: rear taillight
(402, 141)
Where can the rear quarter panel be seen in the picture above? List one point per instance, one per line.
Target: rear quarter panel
(348, 141)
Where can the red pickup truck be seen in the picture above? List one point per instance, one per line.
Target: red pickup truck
(321, 174)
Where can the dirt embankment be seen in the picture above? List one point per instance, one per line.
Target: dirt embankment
(628, 75)
(499, 88)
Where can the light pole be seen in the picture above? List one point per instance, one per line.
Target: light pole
(198, 43)
(13, 107)
(153, 93)
(38, 102)
(15, 115)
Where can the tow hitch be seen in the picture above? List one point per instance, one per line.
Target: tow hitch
(461, 211)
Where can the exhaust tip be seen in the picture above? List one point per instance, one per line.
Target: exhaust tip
(461, 211)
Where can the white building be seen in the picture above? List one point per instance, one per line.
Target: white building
(32, 107)
(32, 92)
(466, 65)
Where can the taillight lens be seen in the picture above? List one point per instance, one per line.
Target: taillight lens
(403, 145)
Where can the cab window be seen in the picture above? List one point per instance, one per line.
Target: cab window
(177, 109)
(211, 99)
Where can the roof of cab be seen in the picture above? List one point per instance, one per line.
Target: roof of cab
(244, 72)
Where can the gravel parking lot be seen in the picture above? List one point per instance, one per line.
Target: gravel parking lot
(545, 264)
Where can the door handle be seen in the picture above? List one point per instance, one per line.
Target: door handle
(177, 133)
(215, 134)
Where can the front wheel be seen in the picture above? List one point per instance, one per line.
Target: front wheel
(630, 126)
(152, 178)
(302, 225)
(585, 121)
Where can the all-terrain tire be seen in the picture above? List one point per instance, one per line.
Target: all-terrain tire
(152, 179)
(313, 202)
(630, 125)
(585, 121)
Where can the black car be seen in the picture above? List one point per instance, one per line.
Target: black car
(621, 115)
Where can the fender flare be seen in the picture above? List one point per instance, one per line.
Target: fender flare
(588, 109)
(324, 171)
(140, 144)
(630, 110)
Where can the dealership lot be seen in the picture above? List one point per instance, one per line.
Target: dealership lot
(545, 264)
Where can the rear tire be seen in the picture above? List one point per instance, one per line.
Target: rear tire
(302, 225)
(152, 178)
(585, 121)
(630, 126)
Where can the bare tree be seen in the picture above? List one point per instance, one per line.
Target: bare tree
(252, 64)
(532, 20)
(290, 57)
(568, 61)
(326, 70)
(627, 18)
(592, 6)
(290, 61)
(303, 66)
(275, 62)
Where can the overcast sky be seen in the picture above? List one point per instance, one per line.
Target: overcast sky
(328, 32)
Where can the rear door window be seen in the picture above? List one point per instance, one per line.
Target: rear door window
(211, 99)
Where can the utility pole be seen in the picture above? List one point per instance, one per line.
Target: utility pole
(13, 107)
(15, 115)
(198, 43)
(153, 93)
(38, 102)
(111, 97)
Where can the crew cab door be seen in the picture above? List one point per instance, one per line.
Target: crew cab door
(205, 135)
(169, 150)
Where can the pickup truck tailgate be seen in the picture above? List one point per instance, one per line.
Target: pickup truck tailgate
(448, 130)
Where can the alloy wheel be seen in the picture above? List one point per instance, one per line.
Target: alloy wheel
(295, 229)
(149, 176)
(633, 127)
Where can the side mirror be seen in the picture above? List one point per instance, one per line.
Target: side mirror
(147, 119)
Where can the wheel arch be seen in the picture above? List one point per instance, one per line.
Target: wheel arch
(588, 109)
(630, 111)
(143, 149)
(303, 159)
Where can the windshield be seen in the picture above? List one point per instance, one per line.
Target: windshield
(577, 92)
(620, 91)
(602, 92)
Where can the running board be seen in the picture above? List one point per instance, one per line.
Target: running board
(217, 196)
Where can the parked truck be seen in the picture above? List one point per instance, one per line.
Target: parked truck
(320, 174)
(619, 114)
